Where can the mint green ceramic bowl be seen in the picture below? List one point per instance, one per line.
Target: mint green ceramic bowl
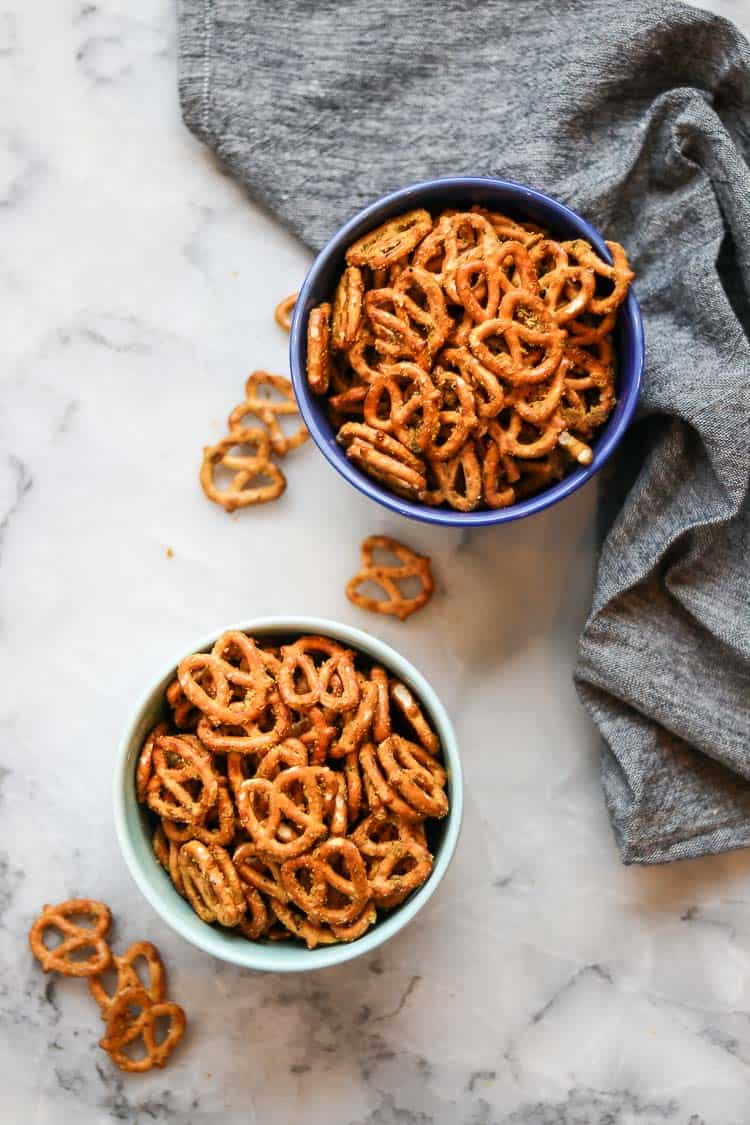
(134, 830)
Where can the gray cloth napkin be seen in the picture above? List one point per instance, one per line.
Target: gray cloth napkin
(637, 115)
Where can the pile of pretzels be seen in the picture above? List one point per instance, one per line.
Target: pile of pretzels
(291, 786)
(467, 359)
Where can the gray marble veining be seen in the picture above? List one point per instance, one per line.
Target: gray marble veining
(544, 984)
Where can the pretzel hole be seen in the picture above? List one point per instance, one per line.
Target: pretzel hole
(384, 833)
(371, 590)
(289, 424)
(434, 263)
(83, 953)
(335, 685)
(266, 721)
(261, 479)
(51, 938)
(136, 1049)
(496, 344)
(339, 865)
(383, 405)
(261, 806)
(303, 877)
(108, 979)
(287, 832)
(141, 966)
(384, 556)
(604, 287)
(335, 898)
(416, 293)
(459, 480)
(250, 448)
(592, 396)
(403, 865)
(232, 653)
(161, 1028)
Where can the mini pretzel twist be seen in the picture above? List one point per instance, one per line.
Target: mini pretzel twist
(395, 602)
(391, 241)
(523, 320)
(406, 778)
(385, 457)
(252, 736)
(405, 866)
(284, 311)
(458, 481)
(347, 309)
(133, 1015)
(256, 479)
(74, 938)
(179, 765)
(259, 401)
(619, 274)
(350, 883)
(128, 976)
(294, 798)
(238, 687)
(212, 885)
(218, 828)
(319, 348)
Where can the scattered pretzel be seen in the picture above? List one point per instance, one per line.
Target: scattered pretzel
(132, 1015)
(132, 1009)
(395, 602)
(468, 360)
(74, 938)
(296, 809)
(246, 449)
(260, 402)
(284, 310)
(128, 977)
(256, 479)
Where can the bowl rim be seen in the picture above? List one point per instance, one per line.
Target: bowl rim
(410, 195)
(248, 954)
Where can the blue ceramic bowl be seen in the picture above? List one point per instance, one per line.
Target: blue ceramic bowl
(464, 191)
(134, 826)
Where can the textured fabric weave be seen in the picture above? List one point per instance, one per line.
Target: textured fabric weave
(638, 116)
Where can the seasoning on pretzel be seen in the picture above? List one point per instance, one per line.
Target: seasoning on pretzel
(296, 806)
(387, 577)
(256, 479)
(138, 1000)
(467, 358)
(246, 450)
(75, 937)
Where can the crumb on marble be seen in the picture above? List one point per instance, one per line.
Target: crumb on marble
(169, 553)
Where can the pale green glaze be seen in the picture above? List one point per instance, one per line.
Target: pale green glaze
(134, 835)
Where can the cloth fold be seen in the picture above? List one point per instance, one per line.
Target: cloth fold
(638, 116)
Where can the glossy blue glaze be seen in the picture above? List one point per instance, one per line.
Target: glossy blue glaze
(521, 203)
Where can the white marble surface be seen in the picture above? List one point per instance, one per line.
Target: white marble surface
(544, 984)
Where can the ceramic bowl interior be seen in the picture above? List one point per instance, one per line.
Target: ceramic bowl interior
(463, 192)
(134, 824)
